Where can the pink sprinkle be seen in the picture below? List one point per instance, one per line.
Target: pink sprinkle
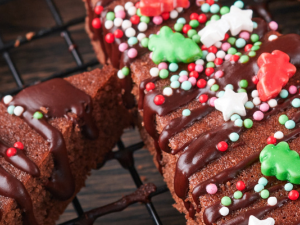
(226, 46)
(183, 78)
(219, 74)
(245, 35)
(264, 107)
(150, 55)
(193, 80)
(228, 57)
(132, 53)
(212, 101)
(199, 68)
(123, 47)
(273, 25)
(258, 115)
(120, 14)
(293, 89)
(162, 65)
(157, 20)
(211, 189)
(157, 32)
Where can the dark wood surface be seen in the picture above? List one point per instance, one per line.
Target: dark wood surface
(49, 55)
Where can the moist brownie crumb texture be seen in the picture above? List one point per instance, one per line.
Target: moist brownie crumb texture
(52, 135)
(218, 98)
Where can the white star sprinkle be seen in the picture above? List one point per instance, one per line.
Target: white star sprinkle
(214, 32)
(231, 103)
(254, 221)
(239, 20)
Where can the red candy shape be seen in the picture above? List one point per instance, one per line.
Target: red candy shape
(226, 37)
(11, 152)
(135, 19)
(165, 15)
(157, 7)
(275, 71)
(202, 18)
(137, 5)
(96, 23)
(213, 49)
(240, 185)
(186, 28)
(209, 71)
(194, 74)
(194, 16)
(218, 61)
(222, 146)
(19, 145)
(248, 47)
(203, 98)
(293, 195)
(191, 67)
(204, 48)
(150, 86)
(98, 9)
(109, 38)
(271, 140)
(210, 2)
(201, 83)
(255, 80)
(234, 58)
(159, 99)
(118, 33)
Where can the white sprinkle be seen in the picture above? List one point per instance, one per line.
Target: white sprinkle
(200, 62)
(7, 99)
(272, 103)
(224, 211)
(141, 36)
(18, 110)
(173, 14)
(132, 11)
(272, 37)
(130, 32)
(128, 5)
(118, 22)
(121, 75)
(167, 91)
(272, 201)
(256, 101)
(221, 54)
(211, 82)
(218, 44)
(126, 24)
(254, 93)
(154, 72)
(278, 135)
(179, 9)
(210, 57)
(118, 8)
(109, 24)
(142, 26)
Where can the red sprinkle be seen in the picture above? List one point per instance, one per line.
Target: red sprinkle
(194, 74)
(135, 19)
(137, 5)
(234, 58)
(19, 145)
(293, 195)
(255, 79)
(213, 49)
(203, 98)
(118, 33)
(194, 16)
(150, 86)
(203, 48)
(218, 61)
(11, 152)
(222, 146)
(109, 38)
(98, 9)
(271, 140)
(209, 71)
(240, 185)
(202, 18)
(186, 28)
(191, 67)
(159, 99)
(210, 2)
(226, 37)
(201, 83)
(96, 23)
(165, 15)
(248, 47)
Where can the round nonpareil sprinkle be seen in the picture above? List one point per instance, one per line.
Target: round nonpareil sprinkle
(258, 187)
(283, 119)
(226, 201)
(238, 195)
(18, 110)
(290, 124)
(163, 74)
(263, 181)
(272, 201)
(284, 93)
(258, 115)
(238, 123)
(272, 103)
(249, 105)
(7, 99)
(222, 146)
(167, 91)
(235, 117)
(288, 187)
(186, 112)
(264, 107)
(296, 103)
(10, 109)
(293, 89)
(293, 195)
(271, 140)
(211, 189)
(264, 194)
(132, 53)
(224, 211)
(278, 135)
(240, 185)
(234, 136)
(248, 123)
(38, 115)
(186, 85)
(154, 72)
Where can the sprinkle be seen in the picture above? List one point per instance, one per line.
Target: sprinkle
(284, 93)
(258, 187)
(240, 185)
(214, 8)
(273, 25)
(199, 68)
(293, 89)
(272, 103)
(183, 78)
(186, 112)
(11, 152)
(203, 98)
(212, 101)
(240, 43)
(272, 37)
(224, 211)
(178, 27)
(248, 123)
(254, 38)
(10, 109)
(243, 83)
(278, 135)
(264, 194)
(234, 117)
(183, 72)
(231, 40)
(255, 25)
(290, 124)
(256, 101)
(221, 54)
(118, 22)
(132, 11)
(186, 85)
(229, 86)
(263, 181)
(145, 19)
(201, 83)
(123, 47)
(173, 14)
(130, 32)
(181, 20)
(239, 4)
(238, 123)
(174, 78)
(132, 53)
(238, 195)
(194, 24)
(254, 93)
(215, 87)
(210, 57)
(162, 66)
(211, 189)
(126, 24)
(226, 201)
(234, 136)
(167, 91)
(283, 119)
(154, 72)
(157, 20)
(175, 84)
(173, 67)
(163, 74)
(296, 103)
(272, 201)
(224, 10)
(222, 146)
(150, 86)
(258, 115)
(264, 107)
(211, 82)
(18, 110)
(271, 140)
(232, 51)
(7, 99)
(132, 41)
(220, 94)
(192, 80)
(110, 16)
(252, 54)
(205, 8)
(245, 35)
(145, 42)
(288, 187)
(219, 74)
(118, 8)
(244, 59)
(109, 38)
(249, 105)
(38, 115)
(120, 74)
(128, 5)
(293, 195)
(142, 26)
(159, 99)
(19, 145)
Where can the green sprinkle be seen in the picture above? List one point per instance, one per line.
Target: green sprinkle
(234, 117)
(264, 194)
(224, 10)
(191, 33)
(186, 112)
(196, 38)
(296, 103)
(242, 90)
(214, 8)
(238, 195)
(283, 119)
(284, 93)
(194, 23)
(145, 19)
(252, 53)
(240, 43)
(38, 115)
(10, 109)
(145, 42)
(244, 83)
(110, 16)
(215, 87)
(248, 123)
(226, 201)
(290, 124)
(254, 38)
(232, 51)
(215, 17)
(163, 74)
(125, 71)
(238, 53)
(186, 85)
(234, 137)
(138, 12)
(175, 84)
(178, 27)
(210, 65)
(244, 59)
(173, 67)
(255, 48)
(258, 43)
(231, 40)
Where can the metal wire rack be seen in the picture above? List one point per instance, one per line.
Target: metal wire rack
(122, 151)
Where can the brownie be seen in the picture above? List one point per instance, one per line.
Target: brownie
(44, 203)
(208, 121)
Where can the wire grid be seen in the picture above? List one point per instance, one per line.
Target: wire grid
(81, 66)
